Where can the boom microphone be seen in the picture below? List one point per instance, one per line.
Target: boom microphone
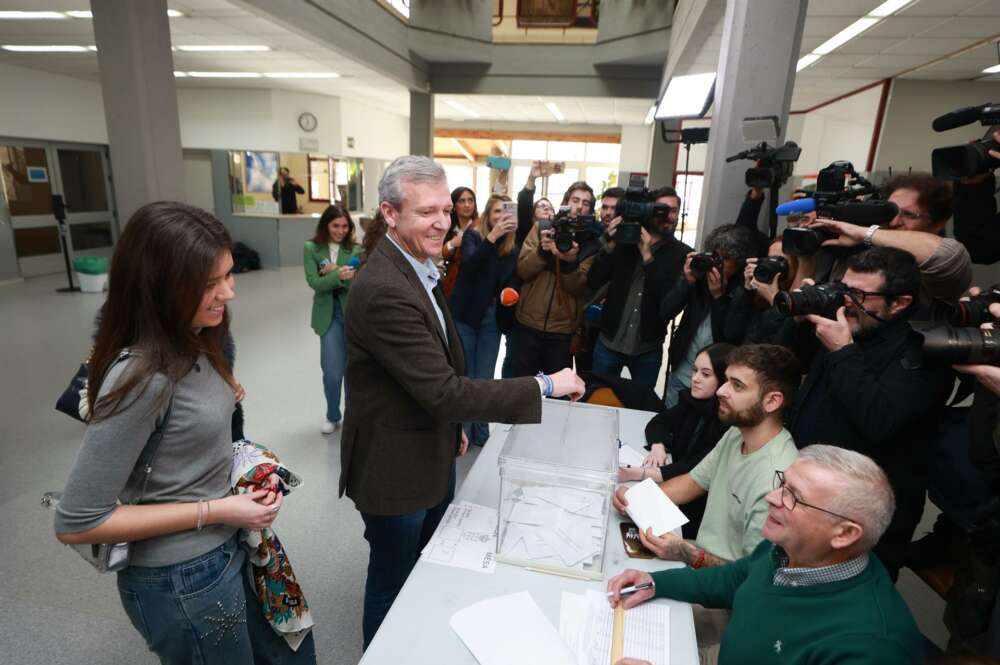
(958, 118)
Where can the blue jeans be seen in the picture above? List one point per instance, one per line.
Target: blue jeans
(204, 611)
(395, 542)
(644, 368)
(481, 346)
(333, 360)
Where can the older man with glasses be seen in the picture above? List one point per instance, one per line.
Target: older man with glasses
(812, 592)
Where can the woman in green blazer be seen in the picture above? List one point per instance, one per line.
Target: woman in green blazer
(329, 270)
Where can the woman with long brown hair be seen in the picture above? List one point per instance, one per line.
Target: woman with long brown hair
(489, 258)
(464, 215)
(158, 370)
(330, 261)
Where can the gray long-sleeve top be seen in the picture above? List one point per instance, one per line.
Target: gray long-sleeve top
(193, 460)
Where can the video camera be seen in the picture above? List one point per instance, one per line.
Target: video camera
(568, 230)
(837, 188)
(774, 164)
(638, 212)
(970, 159)
(822, 299)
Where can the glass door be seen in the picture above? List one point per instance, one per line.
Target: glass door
(25, 169)
(82, 179)
(31, 173)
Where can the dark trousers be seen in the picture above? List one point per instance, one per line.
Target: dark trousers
(533, 351)
(395, 542)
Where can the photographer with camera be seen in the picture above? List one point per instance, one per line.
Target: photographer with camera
(637, 276)
(924, 206)
(552, 266)
(868, 388)
(977, 224)
(751, 318)
(530, 211)
(703, 293)
(609, 201)
(668, 196)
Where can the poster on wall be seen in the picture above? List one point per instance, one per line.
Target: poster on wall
(262, 171)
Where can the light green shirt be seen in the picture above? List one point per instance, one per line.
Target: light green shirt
(736, 486)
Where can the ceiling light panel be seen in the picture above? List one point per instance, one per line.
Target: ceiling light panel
(301, 75)
(35, 48)
(224, 75)
(554, 110)
(17, 15)
(223, 48)
(845, 35)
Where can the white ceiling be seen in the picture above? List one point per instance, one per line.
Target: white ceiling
(913, 37)
(926, 30)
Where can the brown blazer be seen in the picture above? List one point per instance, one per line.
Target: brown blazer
(406, 394)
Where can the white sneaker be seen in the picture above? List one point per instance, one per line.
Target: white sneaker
(328, 427)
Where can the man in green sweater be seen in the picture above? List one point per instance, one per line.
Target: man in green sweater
(811, 593)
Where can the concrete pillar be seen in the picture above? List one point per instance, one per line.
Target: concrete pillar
(663, 157)
(421, 123)
(140, 101)
(760, 47)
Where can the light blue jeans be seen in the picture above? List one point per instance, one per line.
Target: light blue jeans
(333, 360)
(481, 346)
(204, 611)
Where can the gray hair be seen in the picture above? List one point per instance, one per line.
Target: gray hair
(866, 495)
(408, 168)
(736, 242)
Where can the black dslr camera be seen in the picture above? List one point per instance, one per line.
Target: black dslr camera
(638, 212)
(969, 159)
(976, 310)
(568, 230)
(838, 190)
(703, 262)
(769, 267)
(822, 299)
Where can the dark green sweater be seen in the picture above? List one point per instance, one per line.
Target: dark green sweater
(860, 620)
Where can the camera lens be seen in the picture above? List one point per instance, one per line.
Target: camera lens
(959, 345)
(822, 299)
(768, 267)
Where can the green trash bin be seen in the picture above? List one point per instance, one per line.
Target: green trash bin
(91, 273)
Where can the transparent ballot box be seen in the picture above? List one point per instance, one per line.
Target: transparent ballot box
(556, 481)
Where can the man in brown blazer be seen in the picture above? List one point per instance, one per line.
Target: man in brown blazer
(405, 390)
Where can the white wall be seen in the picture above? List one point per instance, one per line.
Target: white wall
(198, 179)
(907, 138)
(376, 133)
(40, 105)
(636, 148)
(841, 131)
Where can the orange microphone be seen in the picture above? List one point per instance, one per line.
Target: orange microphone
(509, 297)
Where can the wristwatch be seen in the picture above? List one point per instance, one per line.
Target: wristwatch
(870, 234)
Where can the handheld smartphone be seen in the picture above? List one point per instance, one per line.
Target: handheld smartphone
(510, 208)
(324, 262)
(557, 167)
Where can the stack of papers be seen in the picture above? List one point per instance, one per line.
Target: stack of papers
(554, 526)
(511, 630)
(629, 456)
(465, 538)
(649, 507)
(586, 621)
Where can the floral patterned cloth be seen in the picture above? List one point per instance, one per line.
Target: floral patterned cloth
(280, 595)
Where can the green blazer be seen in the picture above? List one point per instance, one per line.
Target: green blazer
(326, 287)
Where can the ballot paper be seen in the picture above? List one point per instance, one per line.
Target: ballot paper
(465, 538)
(586, 625)
(629, 456)
(510, 629)
(649, 507)
(555, 526)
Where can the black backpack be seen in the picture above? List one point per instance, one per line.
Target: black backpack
(244, 258)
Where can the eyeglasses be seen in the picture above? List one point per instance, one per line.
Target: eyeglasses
(858, 296)
(789, 500)
(909, 214)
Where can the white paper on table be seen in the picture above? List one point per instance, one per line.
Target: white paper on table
(510, 630)
(649, 507)
(586, 624)
(466, 538)
(629, 456)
